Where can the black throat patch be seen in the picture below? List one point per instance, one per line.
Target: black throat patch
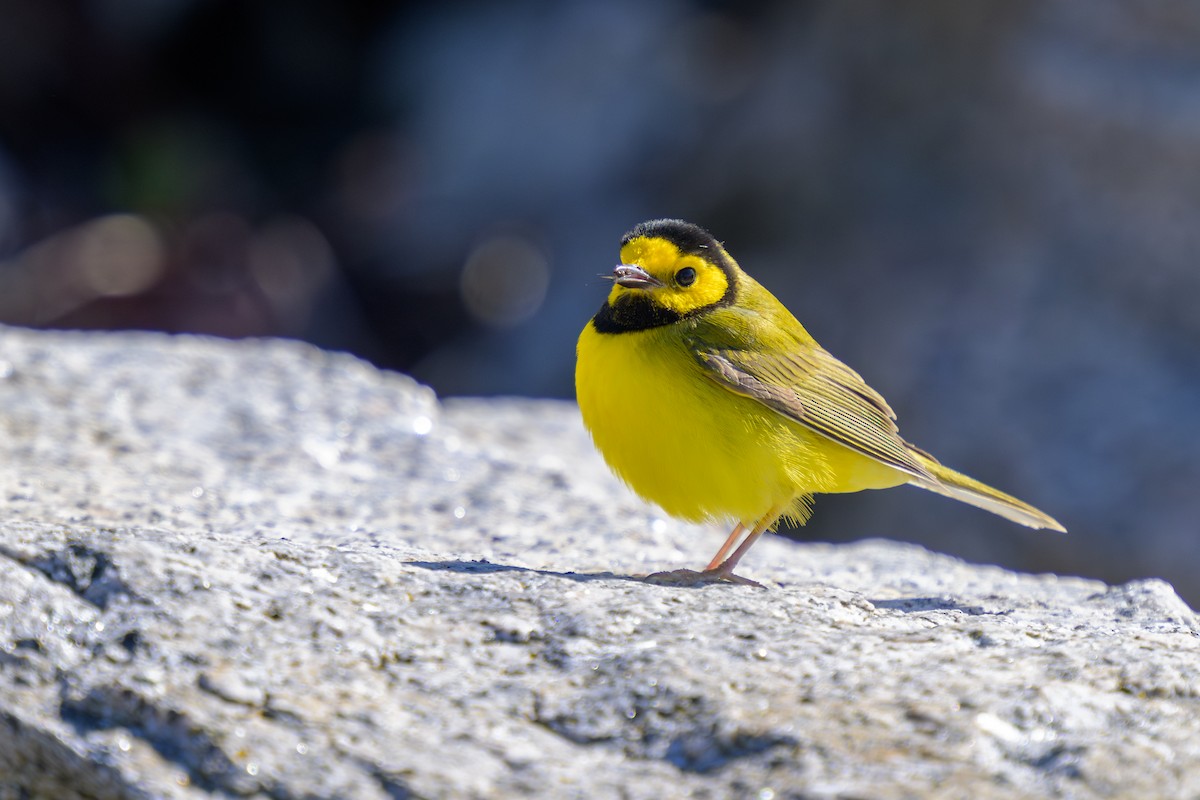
(633, 312)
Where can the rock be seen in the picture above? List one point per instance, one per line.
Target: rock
(256, 569)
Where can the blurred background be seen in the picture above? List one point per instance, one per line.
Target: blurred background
(989, 209)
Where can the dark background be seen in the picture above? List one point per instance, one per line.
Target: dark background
(989, 209)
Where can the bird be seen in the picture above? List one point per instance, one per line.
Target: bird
(707, 397)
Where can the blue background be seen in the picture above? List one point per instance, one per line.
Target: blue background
(988, 209)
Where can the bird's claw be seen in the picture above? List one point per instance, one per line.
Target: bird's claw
(691, 577)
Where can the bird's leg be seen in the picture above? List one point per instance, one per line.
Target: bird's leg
(725, 548)
(721, 568)
(725, 569)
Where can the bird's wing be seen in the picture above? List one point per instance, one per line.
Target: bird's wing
(808, 385)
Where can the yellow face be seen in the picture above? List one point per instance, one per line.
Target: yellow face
(688, 281)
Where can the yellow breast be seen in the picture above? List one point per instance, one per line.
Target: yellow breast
(696, 449)
(677, 438)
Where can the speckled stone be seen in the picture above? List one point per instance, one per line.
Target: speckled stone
(256, 569)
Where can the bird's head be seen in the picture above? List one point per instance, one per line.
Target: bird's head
(669, 270)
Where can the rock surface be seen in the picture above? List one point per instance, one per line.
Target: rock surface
(260, 570)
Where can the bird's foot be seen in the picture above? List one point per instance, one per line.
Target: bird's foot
(691, 577)
(727, 575)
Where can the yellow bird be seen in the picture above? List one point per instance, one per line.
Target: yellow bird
(708, 397)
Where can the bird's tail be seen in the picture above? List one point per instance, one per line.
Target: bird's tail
(954, 484)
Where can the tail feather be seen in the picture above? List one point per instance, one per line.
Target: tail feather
(960, 487)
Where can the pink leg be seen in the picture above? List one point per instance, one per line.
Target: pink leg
(725, 548)
(725, 569)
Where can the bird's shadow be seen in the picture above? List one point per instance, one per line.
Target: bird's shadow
(918, 605)
(686, 579)
(487, 567)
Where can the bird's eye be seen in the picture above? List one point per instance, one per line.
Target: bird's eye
(685, 276)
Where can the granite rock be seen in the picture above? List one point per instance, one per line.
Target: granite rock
(260, 570)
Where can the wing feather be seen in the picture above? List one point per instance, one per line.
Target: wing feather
(808, 385)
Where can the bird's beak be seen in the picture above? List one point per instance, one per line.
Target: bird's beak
(634, 277)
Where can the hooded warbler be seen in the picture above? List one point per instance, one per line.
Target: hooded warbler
(708, 397)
